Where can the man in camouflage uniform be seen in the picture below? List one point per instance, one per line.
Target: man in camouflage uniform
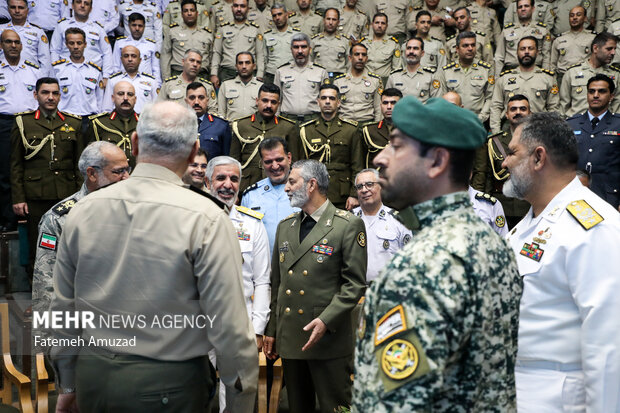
(484, 50)
(376, 135)
(360, 90)
(572, 46)
(277, 42)
(184, 36)
(336, 142)
(307, 21)
(488, 175)
(428, 342)
(474, 82)
(384, 55)
(353, 22)
(573, 91)
(45, 147)
(100, 164)
(329, 49)
(435, 54)
(415, 80)
(117, 126)
(249, 132)
(237, 97)
(537, 84)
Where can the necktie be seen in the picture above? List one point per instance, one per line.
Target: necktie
(199, 122)
(594, 122)
(306, 226)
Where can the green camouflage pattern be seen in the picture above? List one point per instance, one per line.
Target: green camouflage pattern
(459, 286)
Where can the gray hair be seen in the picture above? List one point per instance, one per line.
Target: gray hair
(220, 160)
(300, 37)
(167, 129)
(373, 170)
(309, 168)
(188, 51)
(92, 156)
(275, 6)
(549, 130)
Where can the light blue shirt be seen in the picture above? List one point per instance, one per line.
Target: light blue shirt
(80, 87)
(16, 86)
(35, 45)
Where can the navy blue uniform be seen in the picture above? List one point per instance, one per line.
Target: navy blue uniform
(215, 136)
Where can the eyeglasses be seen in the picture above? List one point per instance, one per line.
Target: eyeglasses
(119, 171)
(198, 165)
(367, 185)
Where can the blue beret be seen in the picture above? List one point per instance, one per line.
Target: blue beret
(438, 123)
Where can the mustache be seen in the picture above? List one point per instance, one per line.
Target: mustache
(226, 192)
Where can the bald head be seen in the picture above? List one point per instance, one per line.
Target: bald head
(453, 98)
(124, 98)
(130, 58)
(11, 45)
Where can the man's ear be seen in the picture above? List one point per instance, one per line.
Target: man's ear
(91, 174)
(440, 158)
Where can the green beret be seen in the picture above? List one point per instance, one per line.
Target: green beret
(438, 123)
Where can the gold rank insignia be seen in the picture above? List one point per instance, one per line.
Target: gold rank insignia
(584, 214)
(260, 37)
(397, 52)
(361, 239)
(491, 80)
(213, 95)
(441, 51)
(231, 101)
(562, 52)
(399, 359)
(281, 257)
(554, 90)
(386, 244)
(579, 89)
(44, 38)
(436, 84)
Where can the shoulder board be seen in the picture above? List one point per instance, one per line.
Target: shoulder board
(250, 212)
(549, 72)
(577, 115)
(63, 207)
(396, 71)
(268, 31)
(250, 188)
(340, 76)
(173, 25)
(343, 214)
(100, 25)
(316, 35)
(292, 14)
(280, 117)
(371, 123)
(615, 67)
(252, 24)
(508, 25)
(303, 125)
(449, 66)
(318, 65)
(450, 37)
(505, 72)
(484, 64)
(318, 14)
(96, 115)
(395, 39)
(38, 27)
(72, 115)
(435, 38)
(285, 64)
(217, 202)
(62, 20)
(349, 121)
(296, 29)
(481, 196)
(31, 64)
(95, 66)
(429, 69)
(492, 135)
(25, 113)
(541, 24)
(147, 75)
(417, 8)
(57, 62)
(576, 209)
(115, 74)
(362, 39)
(149, 40)
(293, 215)
(575, 65)
(480, 33)
(171, 78)
(202, 79)
(121, 37)
(374, 75)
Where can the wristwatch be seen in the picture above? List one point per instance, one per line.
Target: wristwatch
(66, 390)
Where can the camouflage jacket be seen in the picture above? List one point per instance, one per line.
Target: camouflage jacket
(439, 326)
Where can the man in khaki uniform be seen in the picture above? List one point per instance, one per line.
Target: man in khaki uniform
(305, 19)
(117, 126)
(353, 22)
(329, 49)
(474, 82)
(181, 38)
(397, 12)
(174, 87)
(440, 19)
(414, 79)
(376, 135)
(484, 49)
(543, 13)
(249, 132)
(237, 97)
(484, 18)
(572, 46)
(318, 275)
(299, 81)
(607, 12)
(277, 42)
(174, 14)
(561, 8)
(384, 55)
(232, 38)
(506, 54)
(45, 147)
(360, 90)
(220, 13)
(435, 54)
(336, 142)
(539, 85)
(573, 91)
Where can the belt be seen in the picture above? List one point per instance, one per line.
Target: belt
(548, 365)
(5, 116)
(298, 118)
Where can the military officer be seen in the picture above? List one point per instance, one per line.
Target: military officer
(543, 13)
(572, 46)
(235, 37)
(46, 13)
(383, 51)
(185, 36)
(174, 87)
(34, 40)
(397, 12)
(484, 50)
(153, 21)
(267, 195)
(336, 142)
(440, 19)
(249, 131)
(353, 22)
(329, 49)
(474, 82)
(377, 134)
(277, 42)
(195, 173)
(100, 164)
(117, 125)
(98, 48)
(415, 80)
(539, 85)
(573, 89)
(174, 14)
(306, 20)
(299, 81)
(317, 277)
(149, 54)
(411, 347)
(103, 11)
(489, 209)
(360, 90)
(595, 131)
(384, 234)
(484, 18)
(45, 147)
(561, 8)
(220, 13)
(237, 97)
(506, 53)
(435, 54)
(488, 174)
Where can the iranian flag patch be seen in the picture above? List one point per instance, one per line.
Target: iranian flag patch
(48, 241)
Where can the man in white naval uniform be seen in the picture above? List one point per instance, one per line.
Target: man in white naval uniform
(489, 209)
(567, 252)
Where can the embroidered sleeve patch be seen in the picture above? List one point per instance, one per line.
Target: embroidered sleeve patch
(399, 359)
(393, 322)
(584, 214)
(361, 239)
(48, 241)
(500, 221)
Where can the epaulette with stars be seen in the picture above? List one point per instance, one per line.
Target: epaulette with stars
(27, 112)
(62, 20)
(505, 72)
(481, 196)
(480, 33)
(429, 69)
(207, 29)
(148, 39)
(395, 39)
(615, 67)
(484, 64)
(173, 25)
(203, 80)
(346, 215)
(396, 71)
(316, 35)
(98, 115)
(549, 72)
(250, 188)
(349, 121)
(449, 66)
(121, 37)
(371, 74)
(285, 64)
(318, 65)
(340, 76)
(147, 75)
(63, 207)
(541, 24)
(310, 122)
(293, 215)
(31, 64)
(575, 65)
(95, 66)
(450, 37)
(73, 115)
(171, 78)
(100, 25)
(508, 25)
(251, 24)
(115, 74)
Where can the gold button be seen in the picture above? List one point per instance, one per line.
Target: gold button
(56, 159)
(290, 272)
(288, 292)
(56, 173)
(287, 310)
(305, 272)
(300, 311)
(301, 292)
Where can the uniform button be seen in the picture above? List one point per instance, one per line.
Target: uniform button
(56, 173)
(288, 292)
(592, 136)
(287, 310)
(305, 272)
(290, 272)
(590, 150)
(56, 159)
(300, 311)
(164, 400)
(301, 292)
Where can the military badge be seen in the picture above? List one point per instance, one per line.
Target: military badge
(30, 88)
(88, 91)
(2, 88)
(213, 96)
(386, 244)
(65, 89)
(422, 94)
(393, 322)
(397, 53)
(29, 41)
(181, 44)
(324, 241)
(436, 84)
(48, 241)
(281, 257)
(511, 94)
(231, 101)
(406, 239)
(323, 249)
(491, 80)
(584, 214)
(532, 251)
(399, 360)
(320, 259)
(260, 37)
(366, 83)
(92, 42)
(442, 52)
(512, 81)
(538, 93)
(554, 90)
(361, 239)
(579, 89)
(500, 221)
(562, 52)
